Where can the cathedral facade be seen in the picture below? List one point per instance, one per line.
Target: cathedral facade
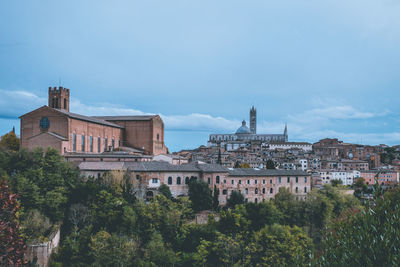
(70, 133)
(244, 135)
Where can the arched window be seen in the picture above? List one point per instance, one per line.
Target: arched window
(187, 180)
(246, 191)
(256, 191)
(271, 190)
(263, 190)
(178, 180)
(170, 180)
(217, 180)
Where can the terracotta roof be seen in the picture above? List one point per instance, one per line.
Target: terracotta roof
(101, 166)
(89, 119)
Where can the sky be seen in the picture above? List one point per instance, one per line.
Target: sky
(325, 68)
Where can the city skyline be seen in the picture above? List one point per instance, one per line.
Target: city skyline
(327, 69)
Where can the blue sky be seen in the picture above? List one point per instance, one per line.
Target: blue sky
(326, 68)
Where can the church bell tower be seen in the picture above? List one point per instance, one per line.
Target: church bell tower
(253, 120)
(59, 98)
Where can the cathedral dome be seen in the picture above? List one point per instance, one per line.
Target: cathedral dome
(243, 129)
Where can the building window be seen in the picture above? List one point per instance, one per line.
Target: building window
(288, 179)
(255, 181)
(65, 103)
(305, 189)
(187, 180)
(270, 181)
(113, 143)
(297, 179)
(305, 179)
(158, 137)
(224, 192)
(217, 180)
(98, 144)
(246, 191)
(98, 176)
(74, 142)
(248, 181)
(137, 177)
(233, 181)
(170, 180)
(279, 180)
(106, 144)
(91, 144)
(256, 191)
(297, 189)
(263, 190)
(119, 143)
(224, 181)
(240, 181)
(154, 180)
(178, 180)
(83, 143)
(271, 190)
(209, 180)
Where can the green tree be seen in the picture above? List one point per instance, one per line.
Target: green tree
(245, 165)
(200, 195)
(112, 250)
(366, 238)
(157, 253)
(219, 160)
(261, 214)
(235, 198)
(164, 189)
(270, 164)
(277, 245)
(336, 182)
(35, 227)
(10, 141)
(215, 198)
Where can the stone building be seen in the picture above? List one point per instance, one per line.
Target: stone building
(244, 135)
(55, 126)
(256, 185)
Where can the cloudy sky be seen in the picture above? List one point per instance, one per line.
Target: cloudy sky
(326, 68)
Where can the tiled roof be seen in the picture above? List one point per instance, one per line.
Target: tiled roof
(89, 119)
(101, 166)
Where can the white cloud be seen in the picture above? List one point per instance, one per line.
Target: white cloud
(16, 103)
(307, 126)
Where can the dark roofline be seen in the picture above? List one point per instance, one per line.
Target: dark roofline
(127, 118)
(52, 134)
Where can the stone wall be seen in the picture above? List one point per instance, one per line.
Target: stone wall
(42, 252)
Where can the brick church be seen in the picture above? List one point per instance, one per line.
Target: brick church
(70, 133)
